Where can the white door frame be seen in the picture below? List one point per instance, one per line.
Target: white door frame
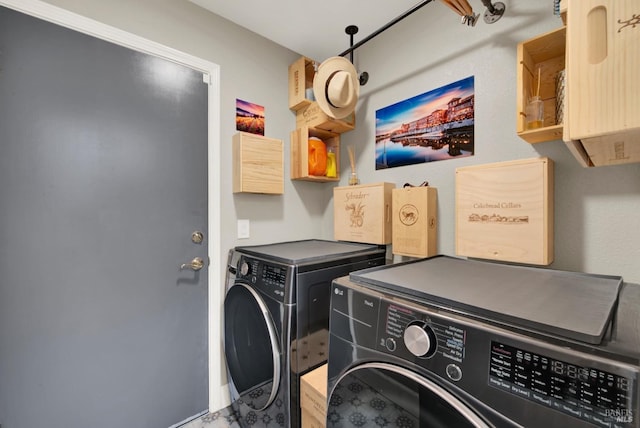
(211, 75)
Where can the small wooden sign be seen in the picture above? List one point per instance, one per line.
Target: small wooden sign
(414, 228)
(363, 213)
(504, 211)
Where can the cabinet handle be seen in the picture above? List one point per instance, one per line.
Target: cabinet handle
(597, 34)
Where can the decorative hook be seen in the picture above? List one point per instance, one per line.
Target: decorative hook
(351, 30)
(494, 11)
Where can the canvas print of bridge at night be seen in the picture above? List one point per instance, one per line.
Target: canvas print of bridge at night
(433, 126)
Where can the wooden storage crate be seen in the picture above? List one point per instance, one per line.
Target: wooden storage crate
(308, 421)
(613, 149)
(258, 164)
(313, 398)
(414, 228)
(504, 211)
(547, 53)
(301, 75)
(312, 116)
(363, 213)
(603, 89)
(300, 153)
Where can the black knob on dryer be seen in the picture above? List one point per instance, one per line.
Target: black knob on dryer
(420, 339)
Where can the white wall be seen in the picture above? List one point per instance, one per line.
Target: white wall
(596, 209)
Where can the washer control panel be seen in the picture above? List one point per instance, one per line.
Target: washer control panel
(598, 396)
(269, 278)
(420, 339)
(420, 334)
(503, 368)
(433, 342)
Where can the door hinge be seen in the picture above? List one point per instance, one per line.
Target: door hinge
(206, 78)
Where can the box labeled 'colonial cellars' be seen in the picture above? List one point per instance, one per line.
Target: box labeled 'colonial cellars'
(504, 211)
(414, 228)
(363, 213)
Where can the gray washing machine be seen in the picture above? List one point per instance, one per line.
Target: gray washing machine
(448, 342)
(276, 321)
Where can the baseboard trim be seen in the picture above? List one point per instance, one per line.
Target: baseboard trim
(220, 400)
(189, 419)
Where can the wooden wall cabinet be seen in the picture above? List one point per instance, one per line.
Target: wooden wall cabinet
(258, 164)
(600, 51)
(603, 84)
(547, 54)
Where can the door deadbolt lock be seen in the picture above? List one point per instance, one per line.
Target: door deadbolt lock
(197, 237)
(195, 264)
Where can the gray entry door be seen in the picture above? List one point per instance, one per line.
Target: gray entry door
(103, 179)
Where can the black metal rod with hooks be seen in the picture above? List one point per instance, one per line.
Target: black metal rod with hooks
(383, 28)
(489, 5)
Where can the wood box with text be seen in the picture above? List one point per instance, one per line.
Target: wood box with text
(313, 117)
(363, 213)
(301, 74)
(258, 164)
(504, 211)
(414, 229)
(313, 398)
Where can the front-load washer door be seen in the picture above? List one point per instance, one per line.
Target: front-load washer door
(251, 347)
(380, 394)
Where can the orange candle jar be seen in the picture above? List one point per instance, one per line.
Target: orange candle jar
(317, 156)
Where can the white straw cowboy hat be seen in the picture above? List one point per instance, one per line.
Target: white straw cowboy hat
(336, 87)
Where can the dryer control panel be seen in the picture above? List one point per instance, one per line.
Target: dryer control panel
(271, 279)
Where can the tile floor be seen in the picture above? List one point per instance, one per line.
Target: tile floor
(224, 418)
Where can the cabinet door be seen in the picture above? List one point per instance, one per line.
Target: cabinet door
(603, 62)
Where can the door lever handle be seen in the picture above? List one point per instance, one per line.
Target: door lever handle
(195, 264)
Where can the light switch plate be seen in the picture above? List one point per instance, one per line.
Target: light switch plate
(243, 229)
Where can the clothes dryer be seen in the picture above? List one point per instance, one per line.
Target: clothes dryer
(276, 321)
(447, 342)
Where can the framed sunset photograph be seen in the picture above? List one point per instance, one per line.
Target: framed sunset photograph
(249, 117)
(433, 126)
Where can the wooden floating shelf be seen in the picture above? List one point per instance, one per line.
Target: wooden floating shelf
(547, 54)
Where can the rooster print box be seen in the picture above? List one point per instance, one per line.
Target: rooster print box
(363, 213)
(414, 229)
